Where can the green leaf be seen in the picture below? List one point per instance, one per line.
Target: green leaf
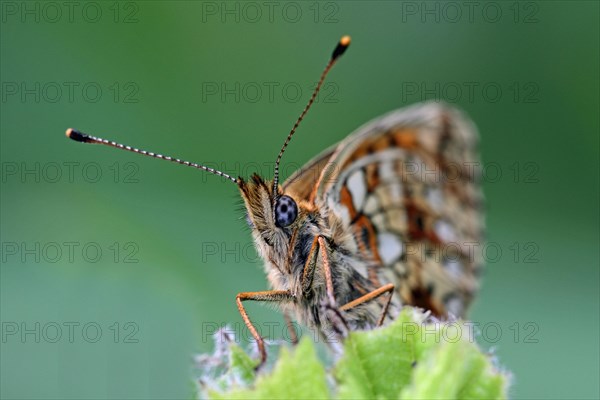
(411, 358)
(241, 364)
(297, 374)
(456, 371)
(455, 367)
(378, 363)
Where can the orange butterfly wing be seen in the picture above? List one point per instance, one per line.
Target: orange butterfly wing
(408, 186)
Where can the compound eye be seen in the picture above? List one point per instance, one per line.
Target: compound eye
(286, 211)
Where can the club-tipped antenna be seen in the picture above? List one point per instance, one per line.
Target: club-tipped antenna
(84, 138)
(337, 52)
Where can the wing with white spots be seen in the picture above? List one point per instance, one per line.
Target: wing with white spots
(408, 185)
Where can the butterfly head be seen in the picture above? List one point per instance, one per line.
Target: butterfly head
(265, 209)
(274, 218)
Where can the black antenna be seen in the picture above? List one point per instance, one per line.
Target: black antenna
(84, 138)
(337, 52)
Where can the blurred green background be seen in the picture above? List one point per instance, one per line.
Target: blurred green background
(116, 268)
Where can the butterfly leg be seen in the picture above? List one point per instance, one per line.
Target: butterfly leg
(389, 288)
(290, 327)
(319, 246)
(327, 269)
(329, 305)
(268, 295)
(309, 267)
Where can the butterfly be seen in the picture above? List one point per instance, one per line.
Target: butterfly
(380, 220)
